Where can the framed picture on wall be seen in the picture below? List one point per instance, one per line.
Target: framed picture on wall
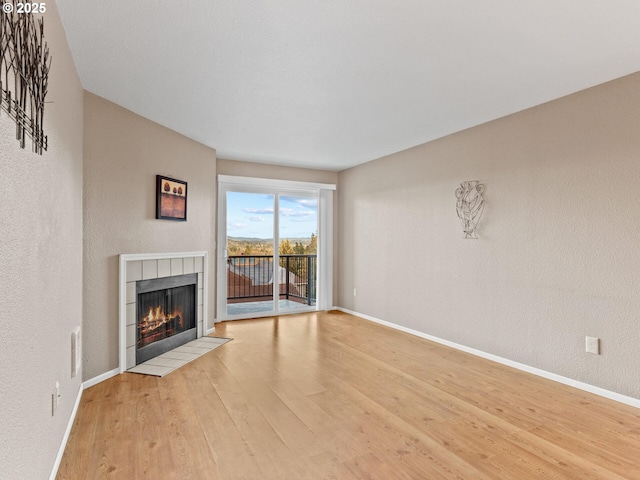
(171, 199)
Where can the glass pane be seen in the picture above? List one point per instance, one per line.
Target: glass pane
(165, 313)
(298, 248)
(250, 253)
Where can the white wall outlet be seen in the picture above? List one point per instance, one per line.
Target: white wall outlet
(355, 292)
(76, 352)
(592, 345)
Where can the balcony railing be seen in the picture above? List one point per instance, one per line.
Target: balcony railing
(252, 277)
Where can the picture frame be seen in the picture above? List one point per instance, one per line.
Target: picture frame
(171, 199)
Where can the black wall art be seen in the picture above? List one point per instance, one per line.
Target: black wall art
(24, 73)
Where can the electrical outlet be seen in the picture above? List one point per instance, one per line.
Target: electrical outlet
(355, 292)
(592, 345)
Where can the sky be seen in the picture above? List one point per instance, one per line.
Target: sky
(251, 215)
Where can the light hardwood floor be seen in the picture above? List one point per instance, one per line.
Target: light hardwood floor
(332, 396)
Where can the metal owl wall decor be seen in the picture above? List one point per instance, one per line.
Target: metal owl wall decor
(470, 205)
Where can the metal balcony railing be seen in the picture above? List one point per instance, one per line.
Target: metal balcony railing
(252, 277)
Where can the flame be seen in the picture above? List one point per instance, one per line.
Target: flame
(156, 318)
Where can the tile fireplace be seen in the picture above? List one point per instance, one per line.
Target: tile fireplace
(145, 320)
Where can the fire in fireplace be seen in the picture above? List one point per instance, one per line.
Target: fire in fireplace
(158, 325)
(166, 314)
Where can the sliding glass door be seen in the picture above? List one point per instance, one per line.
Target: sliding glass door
(269, 239)
(298, 251)
(249, 253)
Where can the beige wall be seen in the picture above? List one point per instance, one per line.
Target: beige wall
(41, 265)
(558, 256)
(123, 153)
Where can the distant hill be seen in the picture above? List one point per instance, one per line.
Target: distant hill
(264, 246)
(303, 240)
(250, 239)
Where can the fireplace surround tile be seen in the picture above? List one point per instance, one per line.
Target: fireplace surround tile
(149, 269)
(184, 356)
(164, 268)
(152, 370)
(192, 349)
(131, 335)
(131, 314)
(176, 266)
(134, 271)
(200, 296)
(167, 362)
(188, 265)
(131, 357)
(131, 292)
(199, 264)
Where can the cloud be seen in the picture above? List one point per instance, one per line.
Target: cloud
(290, 212)
(286, 212)
(256, 218)
(237, 229)
(311, 203)
(268, 210)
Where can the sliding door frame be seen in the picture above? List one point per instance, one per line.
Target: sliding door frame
(323, 193)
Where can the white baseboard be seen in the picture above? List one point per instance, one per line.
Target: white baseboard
(101, 378)
(634, 402)
(65, 438)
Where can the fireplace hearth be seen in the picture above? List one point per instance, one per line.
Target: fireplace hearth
(166, 314)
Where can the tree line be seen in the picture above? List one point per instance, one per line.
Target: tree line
(286, 247)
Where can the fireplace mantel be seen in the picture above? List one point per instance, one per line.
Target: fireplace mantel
(145, 266)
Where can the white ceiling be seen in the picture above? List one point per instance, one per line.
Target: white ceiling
(333, 83)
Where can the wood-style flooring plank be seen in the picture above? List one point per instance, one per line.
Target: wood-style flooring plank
(83, 435)
(190, 450)
(331, 396)
(230, 449)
